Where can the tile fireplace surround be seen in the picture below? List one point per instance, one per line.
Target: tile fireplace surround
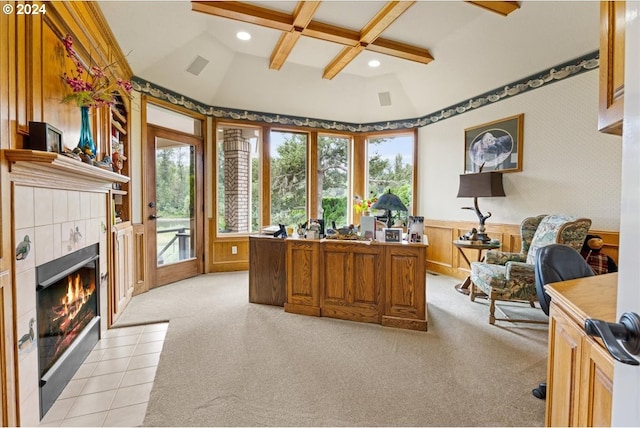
(59, 206)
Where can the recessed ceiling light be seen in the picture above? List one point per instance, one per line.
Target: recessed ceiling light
(243, 35)
(374, 63)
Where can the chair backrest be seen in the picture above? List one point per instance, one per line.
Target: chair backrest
(528, 229)
(558, 229)
(554, 263)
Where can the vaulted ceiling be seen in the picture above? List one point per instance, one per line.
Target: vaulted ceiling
(311, 58)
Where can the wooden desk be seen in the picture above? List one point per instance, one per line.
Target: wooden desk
(381, 283)
(474, 245)
(580, 369)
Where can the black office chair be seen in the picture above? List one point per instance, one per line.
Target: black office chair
(554, 263)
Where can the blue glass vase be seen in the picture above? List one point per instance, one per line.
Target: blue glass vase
(86, 143)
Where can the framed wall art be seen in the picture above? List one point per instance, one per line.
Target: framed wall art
(497, 145)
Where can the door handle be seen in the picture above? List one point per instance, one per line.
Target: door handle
(627, 330)
(153, 216)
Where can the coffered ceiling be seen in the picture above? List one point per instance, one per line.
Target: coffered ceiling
(311, 58)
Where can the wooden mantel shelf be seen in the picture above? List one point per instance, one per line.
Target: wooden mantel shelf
(48, 169)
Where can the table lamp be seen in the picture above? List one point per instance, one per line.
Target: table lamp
(389, 202)
(481, 184)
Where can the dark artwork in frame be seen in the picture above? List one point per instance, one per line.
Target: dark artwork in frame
(43, 136)
(494, 146)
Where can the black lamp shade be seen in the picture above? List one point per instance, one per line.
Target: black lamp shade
(481, 184)
(389, 202)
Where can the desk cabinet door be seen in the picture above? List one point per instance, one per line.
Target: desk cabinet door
(563, 374)
(352, 281)
(405, 279)
(596, 388)
(303, 295)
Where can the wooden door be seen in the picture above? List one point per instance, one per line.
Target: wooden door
(174, 205)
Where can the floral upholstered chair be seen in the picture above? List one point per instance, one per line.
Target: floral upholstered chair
(510, 276)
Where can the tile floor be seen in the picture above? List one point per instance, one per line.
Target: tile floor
(112, 386)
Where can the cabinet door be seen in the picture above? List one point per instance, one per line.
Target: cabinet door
(352, 281)
(405, 280)
(303, 294)
(612, 17)
(563, 373)
(596, 387)
(123, 271)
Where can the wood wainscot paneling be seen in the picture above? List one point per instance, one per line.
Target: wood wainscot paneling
(223, 258)
(444, 258)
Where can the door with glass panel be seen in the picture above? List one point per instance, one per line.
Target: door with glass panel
(174, 205)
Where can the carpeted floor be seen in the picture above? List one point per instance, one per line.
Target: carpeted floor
(228, 362)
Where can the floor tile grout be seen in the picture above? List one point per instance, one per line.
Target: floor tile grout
(113, 337)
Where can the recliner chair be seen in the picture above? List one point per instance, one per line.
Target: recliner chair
(555, 263)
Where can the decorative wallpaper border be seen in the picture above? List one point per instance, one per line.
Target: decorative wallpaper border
(562, 71)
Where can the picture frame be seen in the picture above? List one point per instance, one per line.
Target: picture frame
(415, 229)
(494, 146)
(392, 234)
(44, 137)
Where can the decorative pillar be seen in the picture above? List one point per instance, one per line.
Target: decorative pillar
(237, 164)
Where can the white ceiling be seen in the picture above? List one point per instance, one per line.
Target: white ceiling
(474, 51)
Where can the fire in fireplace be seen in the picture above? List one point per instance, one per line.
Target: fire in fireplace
(68, 318)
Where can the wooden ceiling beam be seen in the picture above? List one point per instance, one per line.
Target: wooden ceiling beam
(503, 8)
(301, 18)
(246, 13)
(370, 32)
(401, 50)
(289, 24)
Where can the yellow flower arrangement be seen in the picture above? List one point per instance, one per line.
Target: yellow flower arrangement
(361, 205)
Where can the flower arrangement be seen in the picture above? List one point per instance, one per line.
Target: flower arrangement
(364, 204)
(90, 86)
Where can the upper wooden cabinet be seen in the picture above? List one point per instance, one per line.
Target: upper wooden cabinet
(612, 16)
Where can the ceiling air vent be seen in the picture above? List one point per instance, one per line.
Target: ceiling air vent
(197, 65)
(384, 98)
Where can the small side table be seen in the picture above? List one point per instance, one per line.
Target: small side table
(474, 245)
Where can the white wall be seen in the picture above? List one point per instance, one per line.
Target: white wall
(568, 166)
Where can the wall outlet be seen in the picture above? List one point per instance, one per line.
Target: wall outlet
(234, 249)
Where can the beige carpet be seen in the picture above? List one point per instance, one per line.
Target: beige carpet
(228, 362)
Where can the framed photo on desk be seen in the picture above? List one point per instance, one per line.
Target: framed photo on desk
(392, 234)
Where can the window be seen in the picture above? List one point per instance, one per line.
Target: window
(333, 178)
(238, 179)
(288, 167)
(390, 161)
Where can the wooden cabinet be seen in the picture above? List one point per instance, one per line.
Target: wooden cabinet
(123, 269)
(267, 270)
(580, 370)
(376, 282)
(611, 108)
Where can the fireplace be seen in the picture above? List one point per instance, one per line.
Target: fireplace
(68, 318)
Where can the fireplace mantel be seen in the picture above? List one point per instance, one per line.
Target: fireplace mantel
(48, 169)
